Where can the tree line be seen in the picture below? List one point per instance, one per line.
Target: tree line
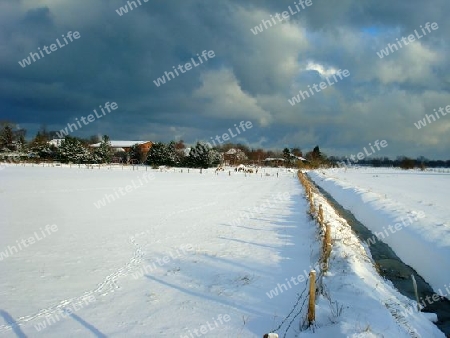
(13, 146)
(174, 153)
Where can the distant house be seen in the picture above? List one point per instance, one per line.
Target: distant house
(234, 156)
(298, 158)
(279, 161)
(55, 142)
(125, 146)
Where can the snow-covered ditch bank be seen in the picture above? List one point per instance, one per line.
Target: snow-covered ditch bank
(408, 210)
(354, 300)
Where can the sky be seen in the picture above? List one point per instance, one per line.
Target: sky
(252, 77)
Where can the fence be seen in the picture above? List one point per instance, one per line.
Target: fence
(315, 277)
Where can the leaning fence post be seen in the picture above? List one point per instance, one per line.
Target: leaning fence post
(312, 297)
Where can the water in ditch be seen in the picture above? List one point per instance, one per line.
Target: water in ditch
(392, 268)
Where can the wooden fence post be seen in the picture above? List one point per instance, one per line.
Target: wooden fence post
(321, 215)
(327, 238)
(326, 258)
(312, 297)
(312, 209)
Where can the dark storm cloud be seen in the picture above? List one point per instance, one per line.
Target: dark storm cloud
(251, 77)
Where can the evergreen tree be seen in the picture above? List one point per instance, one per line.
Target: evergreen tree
(104, 152)
(73, 150)
(44, 151)
(40, 138)
(199, 156)
(6, 137)
(287, 156)
(39, 146)
(215, 158)
(316, 157)
(157, 155)
(316, 154)
(173, 154)
(181, 155)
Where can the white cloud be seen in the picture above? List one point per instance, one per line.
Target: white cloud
(322, 70)
(224, 98)
(414, 63)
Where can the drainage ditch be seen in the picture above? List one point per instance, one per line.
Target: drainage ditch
(391, 267)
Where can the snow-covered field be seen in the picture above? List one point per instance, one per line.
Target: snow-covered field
(135, 253)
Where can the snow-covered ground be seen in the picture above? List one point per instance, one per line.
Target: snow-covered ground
(133, 253)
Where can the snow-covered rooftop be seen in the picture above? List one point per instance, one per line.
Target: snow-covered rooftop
(274, 159)
(232, 151)
(56, 141)
(121, 144)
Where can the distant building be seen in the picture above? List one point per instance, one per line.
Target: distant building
(55, 142)
(125, 146)
(279, 161)
(234, 156)
(298, 158)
